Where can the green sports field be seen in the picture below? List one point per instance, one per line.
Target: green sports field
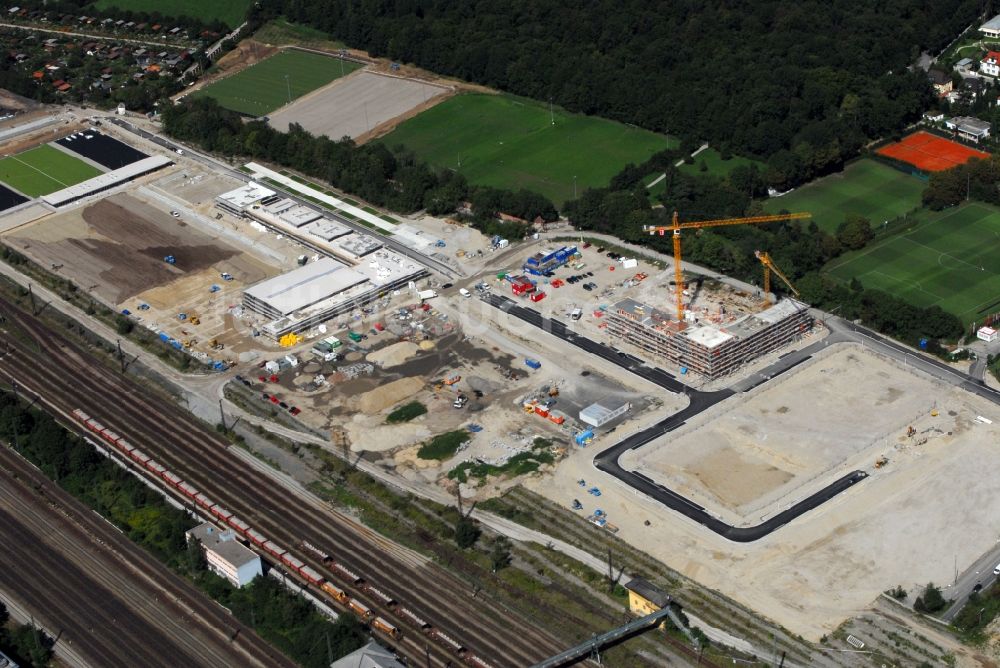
(230, 12)
(44, 170)
(869, 188)
(509, 142)
(949, 258)
(262, 88)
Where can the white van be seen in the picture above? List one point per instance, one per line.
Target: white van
(996, 571)
(464, 292)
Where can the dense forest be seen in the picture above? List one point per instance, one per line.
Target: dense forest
(801, 84)
(976, 179)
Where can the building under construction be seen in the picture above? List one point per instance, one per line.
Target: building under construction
(711, 350)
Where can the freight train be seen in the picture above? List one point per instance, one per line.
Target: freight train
(280, 555)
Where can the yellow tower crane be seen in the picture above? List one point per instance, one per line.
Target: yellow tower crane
(676, 226)
(769, 266)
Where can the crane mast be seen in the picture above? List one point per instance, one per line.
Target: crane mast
(769, 266)
(675, 228)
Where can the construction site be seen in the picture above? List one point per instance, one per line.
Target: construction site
(331, 332)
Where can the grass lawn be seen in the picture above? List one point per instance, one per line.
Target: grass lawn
(44, 170)
(510, 142)
(280, 32)
(869, 188)
(230, 12)
(262, 88)
(949, 258)
(716, 165)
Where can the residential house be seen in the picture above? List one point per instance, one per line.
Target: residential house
(968, 128)
(933, 116)
(940, 80)
(990, 65)
(964, 65)
(992, 27)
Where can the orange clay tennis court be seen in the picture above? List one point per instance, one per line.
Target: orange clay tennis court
(930, 153)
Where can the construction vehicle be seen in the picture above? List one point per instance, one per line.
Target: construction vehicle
(460, 401)
(194, 320)
(910, 431)
(675, 228)
(577, 505)
(553, 391)
(769, 266)
(452, 380)
(881, 461)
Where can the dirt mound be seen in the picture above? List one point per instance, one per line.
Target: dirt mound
(380, 398)
(393, 355)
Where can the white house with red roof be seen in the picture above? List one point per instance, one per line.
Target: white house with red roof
(990, 65)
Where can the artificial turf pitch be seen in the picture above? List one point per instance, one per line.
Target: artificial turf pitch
(263, 87)
(509, 142)
(44, 170)
(949, 258)
(867, 188)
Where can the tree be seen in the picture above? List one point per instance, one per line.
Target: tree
(931, 600)
(196, 556)
(466, 532)
(123, 325)
(855, 232)
(500, 556)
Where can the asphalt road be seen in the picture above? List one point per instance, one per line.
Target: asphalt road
(217, 166)
(700, 401)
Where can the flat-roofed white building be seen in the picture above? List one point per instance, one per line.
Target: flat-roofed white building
(239, 200)
(106, 181)
(226, 557)
(992, 27)
(603, 412)
(299, 216)
(301, 288)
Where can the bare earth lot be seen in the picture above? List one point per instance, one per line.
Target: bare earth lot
(357, 104)
(116, 247)
(754, 457)
(935, 504)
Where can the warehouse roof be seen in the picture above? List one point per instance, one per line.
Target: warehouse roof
(306, 285)
(599, 412)
(327, 229)
(299, 215)
(992, 24)
(234, 553)
(243, 197)
(371, 655)
(106, 180)
(648, 591)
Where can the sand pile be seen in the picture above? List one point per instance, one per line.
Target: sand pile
(382, 437)
(393, 355)
(381, 398)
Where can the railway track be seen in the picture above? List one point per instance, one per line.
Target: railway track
(80, 576)
(66, 379)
